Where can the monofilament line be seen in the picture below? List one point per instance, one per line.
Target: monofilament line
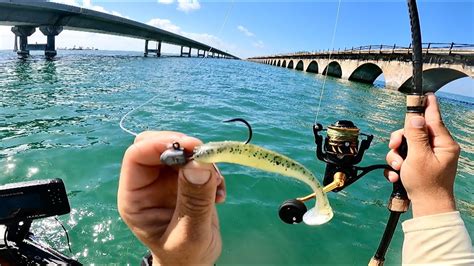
(156, 96)
(131, 111)
(329, 62)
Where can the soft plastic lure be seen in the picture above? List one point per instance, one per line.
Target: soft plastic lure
(270, 161)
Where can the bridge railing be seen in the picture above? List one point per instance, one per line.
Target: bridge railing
(427, 48)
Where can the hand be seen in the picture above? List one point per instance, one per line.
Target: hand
(171, 209)
(429, 169)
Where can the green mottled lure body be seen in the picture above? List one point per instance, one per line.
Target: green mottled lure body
(260, 158)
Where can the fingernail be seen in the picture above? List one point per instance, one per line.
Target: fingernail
(417, 122)
(392, 176)
(220, 192)
(197, 176)
(394, 164)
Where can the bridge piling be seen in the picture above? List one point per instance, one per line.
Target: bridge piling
(51, 32)
(145, 54)
(15, 46)
(23, 32)
(158, 49)
(201, 55)
(185, 53)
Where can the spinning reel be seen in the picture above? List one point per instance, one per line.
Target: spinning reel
(341, 152)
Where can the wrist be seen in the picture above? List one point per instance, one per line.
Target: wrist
(423, 206)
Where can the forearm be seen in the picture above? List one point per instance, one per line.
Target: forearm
(437, 239)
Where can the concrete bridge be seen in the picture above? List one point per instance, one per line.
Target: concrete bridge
(442, 63)
(52, 18)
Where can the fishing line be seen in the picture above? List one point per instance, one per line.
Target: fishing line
(329, 61)
(156, 96)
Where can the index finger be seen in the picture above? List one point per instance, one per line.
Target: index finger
(396, 139)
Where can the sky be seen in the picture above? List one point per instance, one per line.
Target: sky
(249, 28)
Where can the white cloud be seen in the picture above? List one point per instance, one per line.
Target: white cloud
(183, 5)
(164, 24)
(245, 31)
(166, 2)
(205, 38)
(258, 44)
(188, 5)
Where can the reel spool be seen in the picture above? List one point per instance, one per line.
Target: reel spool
(342, 140)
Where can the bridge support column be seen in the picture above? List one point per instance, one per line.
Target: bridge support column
(51, 32)
(203, 53)
(23, 32)
(15, 46)
(156, 51)
(185, 53)
(145, 54)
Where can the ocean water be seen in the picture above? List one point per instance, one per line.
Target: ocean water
(59, 119)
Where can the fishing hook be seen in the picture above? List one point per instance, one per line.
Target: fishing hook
(246, 123)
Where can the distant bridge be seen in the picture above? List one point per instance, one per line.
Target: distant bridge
(442, 63)
(52, 18)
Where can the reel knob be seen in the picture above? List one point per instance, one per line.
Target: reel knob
(291, 211)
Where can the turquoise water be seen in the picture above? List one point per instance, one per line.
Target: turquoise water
(59, 119)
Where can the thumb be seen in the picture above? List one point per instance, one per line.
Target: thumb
(416, 134)
(197, 185)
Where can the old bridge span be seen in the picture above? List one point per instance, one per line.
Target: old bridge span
(442, 63)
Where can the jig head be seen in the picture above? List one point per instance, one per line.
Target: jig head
(174, 156)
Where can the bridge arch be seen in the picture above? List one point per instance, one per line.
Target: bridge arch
(299, 65)
(434, 79)
(290, 64)
(312, 67)
(366, 73)
(333, 70)
(283, 64)
(278, 64)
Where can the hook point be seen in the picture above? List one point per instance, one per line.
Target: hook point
(246, 123)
